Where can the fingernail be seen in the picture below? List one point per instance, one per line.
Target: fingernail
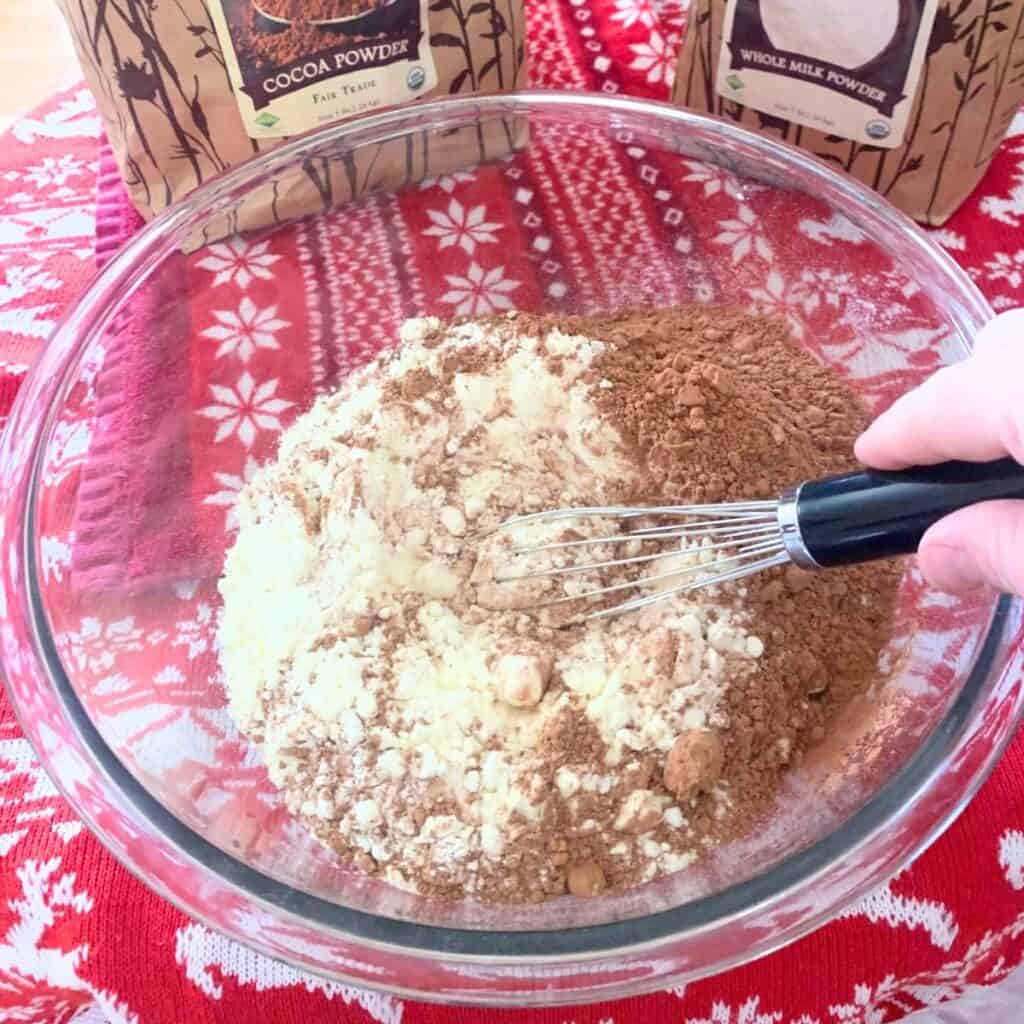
(950, 568)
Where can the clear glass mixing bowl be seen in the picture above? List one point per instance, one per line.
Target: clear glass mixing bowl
(162, 387)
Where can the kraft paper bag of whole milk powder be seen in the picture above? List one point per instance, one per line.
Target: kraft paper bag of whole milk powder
(911, 96)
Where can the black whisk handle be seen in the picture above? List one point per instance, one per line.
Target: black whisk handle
(859, 517)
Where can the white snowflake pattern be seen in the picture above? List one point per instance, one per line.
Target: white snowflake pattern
(96, 646)
(773, 298)
(67, 448)
(898, 281)
(748, 1012)
(1006, 267)
(672, 14)
(656, 58)
(1011, 857)
(635, 12)
(458, 226)
(715, 179)
(54, 171)
(834, 228)
(196, 633)
(22, 283)
(243, 332)
(480, 291)
(828, 287)
(1008, 208)
(239, 262)
(245, 409)
(33, 798)
(745, 235)
(951, 240)
(208, 958)
(37, 972)
(871, 1004)
(231, 485)
(448, 182)
(50, 172)
(897, 910)
(75, 118)
(55, 556)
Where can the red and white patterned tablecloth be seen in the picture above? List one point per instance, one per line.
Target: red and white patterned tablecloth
(81, 939)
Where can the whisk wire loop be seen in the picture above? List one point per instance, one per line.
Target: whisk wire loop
(712, 545)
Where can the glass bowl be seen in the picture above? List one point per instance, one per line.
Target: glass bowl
(173, 375)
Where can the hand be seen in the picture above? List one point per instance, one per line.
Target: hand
(974, 411)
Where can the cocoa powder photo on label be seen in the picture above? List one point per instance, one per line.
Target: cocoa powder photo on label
(262, 44)
(314, 10)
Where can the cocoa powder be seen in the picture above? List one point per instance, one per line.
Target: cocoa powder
(723, 406)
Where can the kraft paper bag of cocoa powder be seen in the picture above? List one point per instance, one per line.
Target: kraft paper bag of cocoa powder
(188, 88)
(910, 96)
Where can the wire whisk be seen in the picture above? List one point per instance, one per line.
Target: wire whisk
(841, 520)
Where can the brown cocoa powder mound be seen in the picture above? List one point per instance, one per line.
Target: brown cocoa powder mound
(723, 406)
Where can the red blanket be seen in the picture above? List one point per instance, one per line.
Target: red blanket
(77, 935)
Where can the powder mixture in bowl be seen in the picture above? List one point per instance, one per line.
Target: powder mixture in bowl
(465, 737)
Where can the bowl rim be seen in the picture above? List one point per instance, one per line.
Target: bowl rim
(91, 313)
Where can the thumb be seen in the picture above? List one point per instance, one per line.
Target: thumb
(976, 545)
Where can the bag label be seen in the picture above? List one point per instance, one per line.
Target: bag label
(833, 65)
(300, 64)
